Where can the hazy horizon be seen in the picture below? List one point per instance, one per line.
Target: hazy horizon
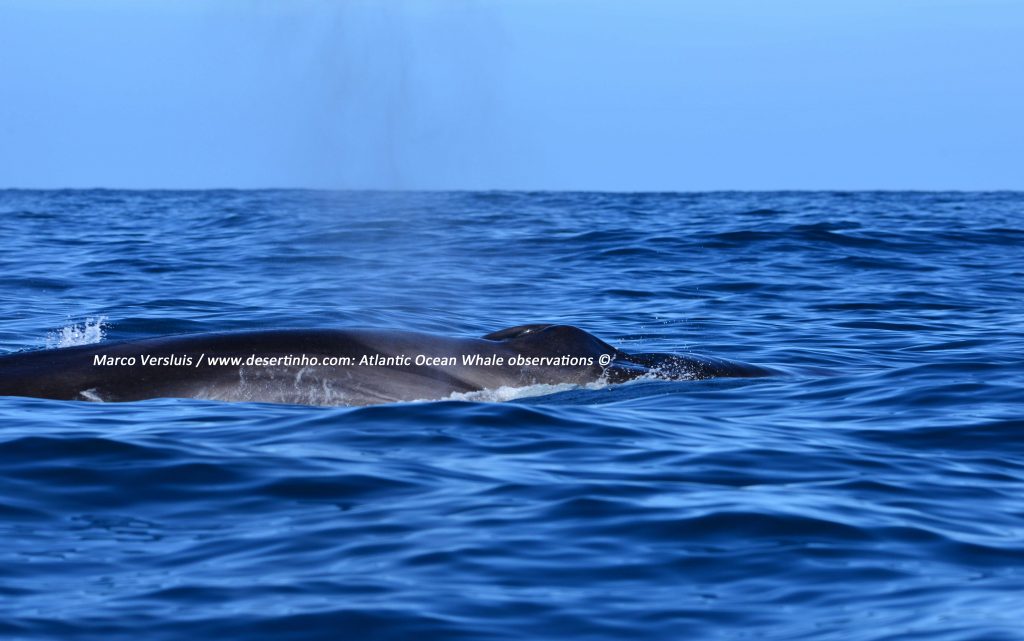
(400, 190)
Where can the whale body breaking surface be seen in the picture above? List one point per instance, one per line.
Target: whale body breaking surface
(341, 366)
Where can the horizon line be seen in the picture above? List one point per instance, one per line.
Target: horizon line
(530, 190)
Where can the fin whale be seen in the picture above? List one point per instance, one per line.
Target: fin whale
(338, 367)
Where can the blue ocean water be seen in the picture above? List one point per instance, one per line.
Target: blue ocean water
(873, 490)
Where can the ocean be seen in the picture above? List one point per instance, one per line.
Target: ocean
(873, 489)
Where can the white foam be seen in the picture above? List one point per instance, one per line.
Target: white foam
(91, 330)
(508, 393)
(91, 395)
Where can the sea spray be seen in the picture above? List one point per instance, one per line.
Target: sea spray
(91, 330)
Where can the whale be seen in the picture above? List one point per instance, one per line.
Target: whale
(351, 367)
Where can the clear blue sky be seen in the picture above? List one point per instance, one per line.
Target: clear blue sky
(513, 94)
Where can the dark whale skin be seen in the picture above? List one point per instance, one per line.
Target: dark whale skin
(74, 373)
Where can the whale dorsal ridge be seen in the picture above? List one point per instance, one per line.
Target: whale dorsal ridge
(516, 332)
(555, 338)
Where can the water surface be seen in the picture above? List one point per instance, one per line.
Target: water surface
(872, 491)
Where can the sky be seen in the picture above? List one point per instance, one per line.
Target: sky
(645, 95)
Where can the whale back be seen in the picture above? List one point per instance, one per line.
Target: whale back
(72, 373)
(552, 338)
(516, 332)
